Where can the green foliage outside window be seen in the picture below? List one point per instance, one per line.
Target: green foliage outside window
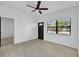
(63, 26)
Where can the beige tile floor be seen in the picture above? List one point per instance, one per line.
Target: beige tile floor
(37, 48)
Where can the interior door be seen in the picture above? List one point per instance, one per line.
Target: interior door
(41, 30)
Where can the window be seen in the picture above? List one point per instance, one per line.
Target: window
(52, 27)
(61, 26)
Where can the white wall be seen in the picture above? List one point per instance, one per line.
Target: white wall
(70, 41)
(24, 25)
(7, 27)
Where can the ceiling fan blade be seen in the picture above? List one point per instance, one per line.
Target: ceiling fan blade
(38, 4)
(43, 8)
(40, 12)
(30, 6)
(34, 10)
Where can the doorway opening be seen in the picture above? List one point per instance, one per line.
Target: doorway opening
(7, 31)
(41, 30)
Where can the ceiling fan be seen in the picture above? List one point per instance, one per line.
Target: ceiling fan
(38, 7)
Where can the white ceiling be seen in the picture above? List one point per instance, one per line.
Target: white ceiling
(52, 6)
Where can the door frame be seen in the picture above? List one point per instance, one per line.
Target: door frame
(0, 31)
(13, 29)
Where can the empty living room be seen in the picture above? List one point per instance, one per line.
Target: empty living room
(39, 28)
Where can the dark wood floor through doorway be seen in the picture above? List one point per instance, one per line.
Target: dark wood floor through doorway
(7, 41)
